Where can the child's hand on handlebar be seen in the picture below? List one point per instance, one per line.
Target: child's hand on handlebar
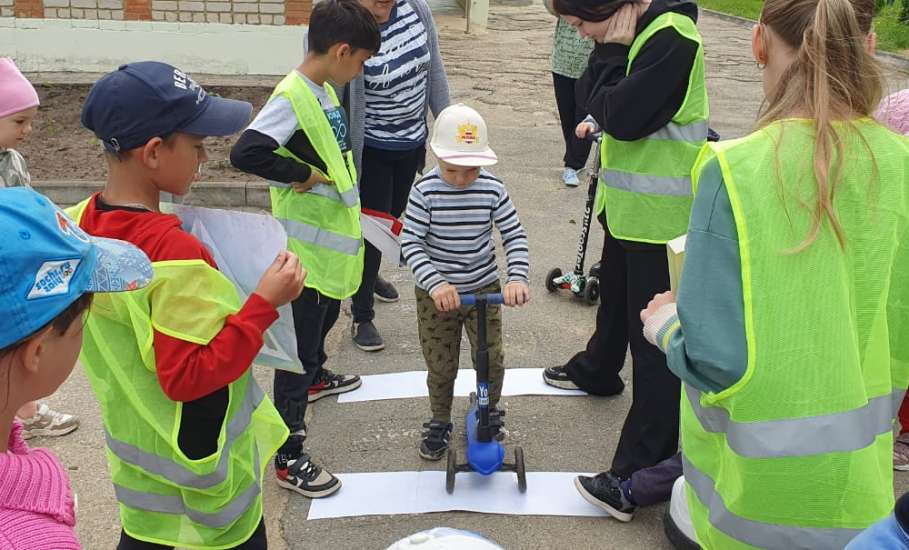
(446, 298)
(516, 293)
(584, 129)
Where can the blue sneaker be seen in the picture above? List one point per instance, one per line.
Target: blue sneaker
(570, 177)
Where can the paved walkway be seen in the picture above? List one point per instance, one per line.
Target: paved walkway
(505, 74)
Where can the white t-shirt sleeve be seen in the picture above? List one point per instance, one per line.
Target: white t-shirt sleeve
(276, 120)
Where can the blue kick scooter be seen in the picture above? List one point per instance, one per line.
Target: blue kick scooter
(485, 454)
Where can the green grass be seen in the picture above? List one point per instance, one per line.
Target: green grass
(892, 36)
(750, 9)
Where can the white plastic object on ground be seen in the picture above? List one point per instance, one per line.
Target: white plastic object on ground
(678, 510)
(445, 538)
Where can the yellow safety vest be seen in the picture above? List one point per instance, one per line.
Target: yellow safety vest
(323, 224)
(165, 497)
(645, 185)
(798, 453)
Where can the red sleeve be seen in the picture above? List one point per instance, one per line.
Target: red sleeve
(188, 371)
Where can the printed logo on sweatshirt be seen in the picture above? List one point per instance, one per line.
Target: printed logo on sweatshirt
(53, 278)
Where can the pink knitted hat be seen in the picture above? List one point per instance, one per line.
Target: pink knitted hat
(894, 111)
(16, 93)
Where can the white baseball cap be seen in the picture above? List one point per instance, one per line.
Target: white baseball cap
(459, 137)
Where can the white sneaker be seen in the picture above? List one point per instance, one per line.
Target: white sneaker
(570, 177)
(48, 423)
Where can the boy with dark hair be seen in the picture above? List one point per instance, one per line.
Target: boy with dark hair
(188, 430)
(300, 143)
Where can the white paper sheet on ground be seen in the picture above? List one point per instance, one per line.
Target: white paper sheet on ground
(244, 244)
(391, 493)
(403, 385)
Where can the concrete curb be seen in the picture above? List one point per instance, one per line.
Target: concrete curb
(207, 80)
(229, 194)
(887, 57)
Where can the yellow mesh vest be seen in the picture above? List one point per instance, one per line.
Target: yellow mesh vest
(323, 224)
(645, 185)
(165, 497)
(798, 453)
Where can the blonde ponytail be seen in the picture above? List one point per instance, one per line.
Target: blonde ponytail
(833, 78)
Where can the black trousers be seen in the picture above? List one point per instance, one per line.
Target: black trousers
(257, 541)
(384, 186)
(570, 114)
(630, 276)
(314, 316)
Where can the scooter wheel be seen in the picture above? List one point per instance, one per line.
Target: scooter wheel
(592, 291)
(452, 470)
(550, 277)
(519, 469)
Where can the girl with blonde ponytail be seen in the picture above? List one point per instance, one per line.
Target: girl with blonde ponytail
(791, 332)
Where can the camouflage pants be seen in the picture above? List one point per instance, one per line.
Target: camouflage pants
(440, 338)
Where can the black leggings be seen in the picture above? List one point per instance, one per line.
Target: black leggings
(570, 114)
(384, 186)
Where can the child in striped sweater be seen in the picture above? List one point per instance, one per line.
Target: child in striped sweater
(447, 243)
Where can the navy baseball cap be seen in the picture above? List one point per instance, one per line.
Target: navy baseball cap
(148, 99)
(47, 262)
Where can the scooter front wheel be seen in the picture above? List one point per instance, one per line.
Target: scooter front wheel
(452, 471)
(519, 469)
(592, 291)
(550, 279)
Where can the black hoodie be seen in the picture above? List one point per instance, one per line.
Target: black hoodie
(634, 106)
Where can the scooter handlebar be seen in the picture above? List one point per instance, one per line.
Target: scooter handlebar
(491, 299)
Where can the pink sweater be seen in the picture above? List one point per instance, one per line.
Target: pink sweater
(37, 510)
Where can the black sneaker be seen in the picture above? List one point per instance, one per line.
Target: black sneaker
(435, 439)
(605, 491)
(557, 377)
(385, 291)
(366, 336)
(300, 474)
(330, 383)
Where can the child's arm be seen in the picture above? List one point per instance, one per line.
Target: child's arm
(514, 239)
(634, 106)
(704, 337)
(275, 126)
(417, 220)
(188, 371)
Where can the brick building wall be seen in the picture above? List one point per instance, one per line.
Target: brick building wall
(243, 12)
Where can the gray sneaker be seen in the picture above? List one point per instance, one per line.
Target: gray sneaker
(48, 423)
(385, 291)
(366, 336)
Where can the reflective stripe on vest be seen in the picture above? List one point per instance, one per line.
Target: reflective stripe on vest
(348, 198)
(320, 237)
(696, 131)
(168, 504)
(758, 533)
(827, 433)
(643, 183)
(178, 474)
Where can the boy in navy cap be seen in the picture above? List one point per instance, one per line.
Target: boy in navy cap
(188, 430)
